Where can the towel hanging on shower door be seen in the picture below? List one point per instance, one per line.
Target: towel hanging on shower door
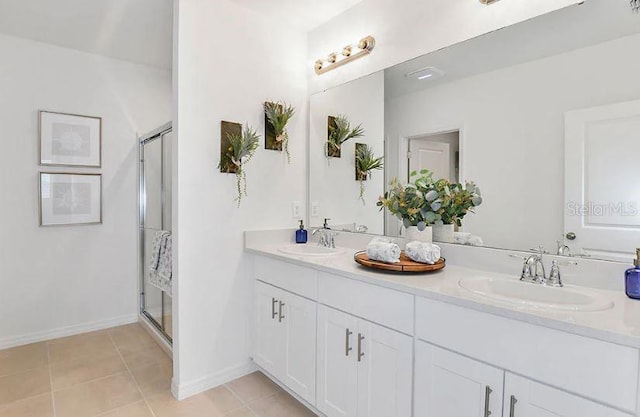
(160, 274)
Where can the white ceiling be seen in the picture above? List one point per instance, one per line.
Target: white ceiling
(138, 31)
(575, 27)
(305, 14)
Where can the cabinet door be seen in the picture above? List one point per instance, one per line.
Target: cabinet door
(269, 333)
(525, 398)
(299, 322)
(337, 365)
(385, 361)
(451, 385)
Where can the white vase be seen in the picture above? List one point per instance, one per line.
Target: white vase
(412, 233)
(443, 233)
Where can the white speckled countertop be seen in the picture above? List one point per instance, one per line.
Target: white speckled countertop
(620, 324)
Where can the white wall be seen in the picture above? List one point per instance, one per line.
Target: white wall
(410, 28)
(229, 61)
(59, 280)
(332, 181)
(512, 139)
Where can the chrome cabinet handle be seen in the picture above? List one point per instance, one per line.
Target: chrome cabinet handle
(347, 348)
(360, 352)
(273, 308)
(487, 398)
(512, 406)
(280, 315)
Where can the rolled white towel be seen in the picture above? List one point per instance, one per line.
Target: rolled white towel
(383, 250)
(423, 252)
(461, 238)
(475, 241)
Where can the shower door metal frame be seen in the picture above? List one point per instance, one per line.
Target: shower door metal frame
(156, 134)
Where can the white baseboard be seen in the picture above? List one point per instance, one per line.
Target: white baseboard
(156, 335)
(188, 389)
(25, 339)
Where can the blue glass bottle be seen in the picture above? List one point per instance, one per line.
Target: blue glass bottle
(301, 233)
(632, 278)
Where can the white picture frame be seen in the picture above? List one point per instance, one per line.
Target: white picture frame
(70, 140)
(70, 198)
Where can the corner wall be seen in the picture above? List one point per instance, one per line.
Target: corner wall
(229, 61)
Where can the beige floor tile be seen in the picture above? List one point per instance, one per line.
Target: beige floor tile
(154, 379)
(280, 405)
(131, 338)
(222, 399)
(165, 405)
(148, 356)
(241, 412)
(68, 373)
(39, 406)
(90, 345)
(140, 409)
(24, 385)
(99, 396)
(253, 386)
(23, 358)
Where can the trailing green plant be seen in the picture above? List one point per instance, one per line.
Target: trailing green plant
(366, 163)
(341, 131)
(241, 149)
(410, 203)
(279, 114)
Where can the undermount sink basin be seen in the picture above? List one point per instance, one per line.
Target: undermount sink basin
(310, 250)
(531, 295)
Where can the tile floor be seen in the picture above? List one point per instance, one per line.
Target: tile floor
(121, 372)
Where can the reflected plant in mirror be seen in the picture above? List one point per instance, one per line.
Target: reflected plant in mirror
(340, 131)
(366, 163)
(278, 115)
(241, 149)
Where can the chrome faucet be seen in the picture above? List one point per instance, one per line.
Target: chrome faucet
(326, 236)
(533, 270)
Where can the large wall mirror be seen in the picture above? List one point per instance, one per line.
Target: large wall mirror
(543, 116)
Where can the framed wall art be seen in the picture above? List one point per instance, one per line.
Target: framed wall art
(68, 198)
(70, 140)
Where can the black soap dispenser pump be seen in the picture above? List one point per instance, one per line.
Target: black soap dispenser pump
(301, 233)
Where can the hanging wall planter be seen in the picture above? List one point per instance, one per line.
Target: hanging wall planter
(276, 118)
(366, 163)
(338, 132)
(237, 146)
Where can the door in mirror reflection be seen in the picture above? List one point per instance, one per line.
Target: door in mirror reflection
(602, 179)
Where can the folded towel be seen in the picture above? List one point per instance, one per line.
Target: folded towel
(423, 252)
(383, 250)
(160, 265)
(467, 239)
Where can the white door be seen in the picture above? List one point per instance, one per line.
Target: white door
(525, 398)
(337, 363)
(299, 322)
(451, 385)
(602, 191)
(385, 361)
(269, 342)
(434, 156)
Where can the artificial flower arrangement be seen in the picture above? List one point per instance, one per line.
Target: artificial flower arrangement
(278, 115)
(366, 163)
(242, 147)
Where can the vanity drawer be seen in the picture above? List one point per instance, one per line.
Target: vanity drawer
(380, 305)
(595, 369)
(293, 278)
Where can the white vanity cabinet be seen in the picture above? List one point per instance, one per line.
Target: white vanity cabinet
(364, 369)
(285, 338)
(448, 384)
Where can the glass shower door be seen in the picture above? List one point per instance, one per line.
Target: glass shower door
(155, 217)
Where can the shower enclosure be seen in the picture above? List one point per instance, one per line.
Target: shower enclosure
(155, 217)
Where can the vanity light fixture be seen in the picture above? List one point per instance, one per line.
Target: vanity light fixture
(365, 47)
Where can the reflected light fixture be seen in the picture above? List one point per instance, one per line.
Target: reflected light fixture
(349, 53)
(424, 74)
(487, 2)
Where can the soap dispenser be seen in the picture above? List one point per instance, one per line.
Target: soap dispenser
(301, 233)
(632, 278)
